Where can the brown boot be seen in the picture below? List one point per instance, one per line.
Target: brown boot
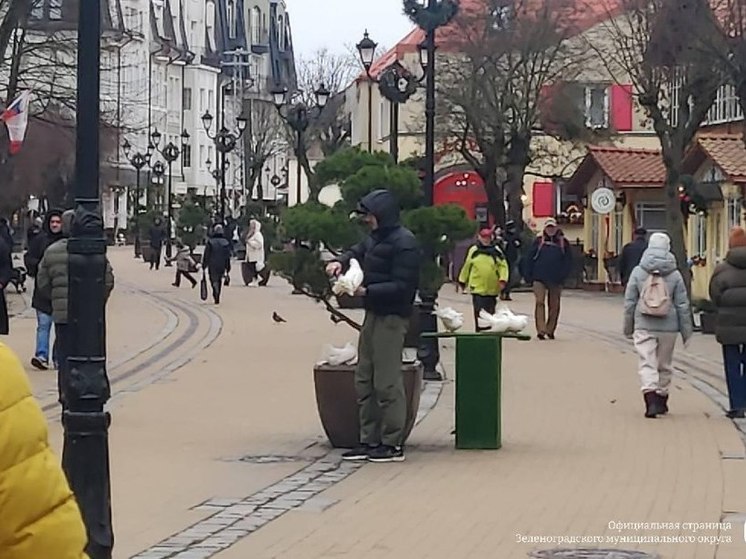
(652, 405)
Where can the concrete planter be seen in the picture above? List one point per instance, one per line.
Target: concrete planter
(336, 400)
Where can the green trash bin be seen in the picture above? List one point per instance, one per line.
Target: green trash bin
(478, 387)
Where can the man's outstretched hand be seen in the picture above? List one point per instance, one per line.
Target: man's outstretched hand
(333, 269)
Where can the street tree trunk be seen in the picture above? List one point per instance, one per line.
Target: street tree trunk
(674, 215)
(495, 193)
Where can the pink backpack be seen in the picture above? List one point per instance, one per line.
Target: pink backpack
(654, 297)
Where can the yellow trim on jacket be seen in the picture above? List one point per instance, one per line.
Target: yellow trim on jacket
(483, 273)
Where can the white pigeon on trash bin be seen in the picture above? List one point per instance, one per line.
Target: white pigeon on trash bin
(349, 282)
(451, 318)
(503, 320)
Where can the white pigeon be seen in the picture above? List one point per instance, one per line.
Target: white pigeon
(502, 321)
(517, 322)
(451, 318)
(350, 281)
(340, 355)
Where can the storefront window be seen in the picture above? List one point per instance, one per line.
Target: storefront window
(700, 235)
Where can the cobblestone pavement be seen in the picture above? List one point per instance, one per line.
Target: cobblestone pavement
(217, 450)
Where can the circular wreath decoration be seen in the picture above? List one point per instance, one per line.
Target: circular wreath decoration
(428, 18)
(397, 84)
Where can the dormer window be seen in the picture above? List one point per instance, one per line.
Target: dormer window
(231, 19)
(55, 10)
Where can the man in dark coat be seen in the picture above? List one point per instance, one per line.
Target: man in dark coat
(51, 232)
(547, 266)
(217, 260)
(6, 234)
(390, 259)
(6, 272)
(156, 237)
(512, 249)
(632, 254)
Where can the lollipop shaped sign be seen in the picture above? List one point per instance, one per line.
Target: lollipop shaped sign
(603, 201)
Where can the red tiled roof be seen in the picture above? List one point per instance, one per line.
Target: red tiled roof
(727, 151)
(579, 16)
(625, 168)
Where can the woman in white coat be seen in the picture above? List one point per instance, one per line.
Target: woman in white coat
(255, 254)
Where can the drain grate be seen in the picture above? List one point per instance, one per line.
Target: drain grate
(273, 459)
(585, 553)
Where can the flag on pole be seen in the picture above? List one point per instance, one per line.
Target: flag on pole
(15, 117)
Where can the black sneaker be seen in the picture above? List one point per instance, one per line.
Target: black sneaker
(735, 414)
(39, 363)
(361, 452)
(541, 336)
(551, 336)
(385, 453)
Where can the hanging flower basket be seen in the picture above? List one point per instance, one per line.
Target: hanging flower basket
(429, 19)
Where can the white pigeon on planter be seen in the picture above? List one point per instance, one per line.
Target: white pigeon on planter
(451, 318)
(349, 282)
(340, 355)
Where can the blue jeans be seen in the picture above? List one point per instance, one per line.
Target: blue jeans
(43, 332)
(734, 358)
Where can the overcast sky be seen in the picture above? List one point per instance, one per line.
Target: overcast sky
(336, 23)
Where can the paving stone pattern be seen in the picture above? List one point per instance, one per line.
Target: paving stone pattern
(236, 519)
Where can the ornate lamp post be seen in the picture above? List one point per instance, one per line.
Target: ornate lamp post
(298, 117)
(138, 160)
(225, 142)
(83, 380)
(170, 153)
(215, 173)
(395, 83)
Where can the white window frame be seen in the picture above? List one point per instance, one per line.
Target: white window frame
(641, 208)
(37, 9)
(700, 235)
(231, 15)
(733, 212)
(55, 10)
(725, 108)
(588, 91)
(618, 231)
(383, 119)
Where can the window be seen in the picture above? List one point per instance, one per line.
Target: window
(700, 235)
(384, 124)
(651, 216)
(725, 108)
(186, 156)
(256, 26)
(186, 98)
(37, 9)
(209, 100)
(618, 231)
(55, 9)
(501, 17)
(733, 212)
(231, 20)
(597, 106)
(202, 158)
(718, 235)
(202, 101)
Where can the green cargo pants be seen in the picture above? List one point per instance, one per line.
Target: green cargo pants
(378, 380)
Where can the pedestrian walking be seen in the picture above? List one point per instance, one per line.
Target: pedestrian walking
(512, 244)
(632, 254)
(390, 259)
(156, 238)
(50, 233)
(6, 233)
(53, 282)
(36, 228)
(656, 311)
(39, 512)
(547, 266)
(255, 257)
(728, 292)
(217, 259)
(6, 273)
(485, 273)
(185, 265)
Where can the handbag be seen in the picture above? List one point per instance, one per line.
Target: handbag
(203, 287)
(227, 279)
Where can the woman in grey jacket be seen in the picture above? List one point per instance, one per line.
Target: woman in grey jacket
(655, 336)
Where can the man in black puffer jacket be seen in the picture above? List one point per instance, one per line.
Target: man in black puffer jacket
(390, 259)
(51, 232)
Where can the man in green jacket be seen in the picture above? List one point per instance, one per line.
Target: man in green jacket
(485, 273)
(53, 282)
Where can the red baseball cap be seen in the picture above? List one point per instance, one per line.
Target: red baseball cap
(486, 232)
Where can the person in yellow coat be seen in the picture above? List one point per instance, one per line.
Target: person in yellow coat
(39, 518)
(485, 273)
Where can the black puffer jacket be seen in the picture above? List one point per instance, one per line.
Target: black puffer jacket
(390, 258)
(728, 292)
(631, 256)
(217, 257)
(34, 255)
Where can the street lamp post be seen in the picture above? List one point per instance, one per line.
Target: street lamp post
(215, 173)
(395, 83)
(138, 160)
(298, 118)
(429, 17)
(225, 142)
(83, 380)
(170, 153)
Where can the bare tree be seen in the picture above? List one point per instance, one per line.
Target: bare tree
(492, 93)
(656, 45)
(263, 140)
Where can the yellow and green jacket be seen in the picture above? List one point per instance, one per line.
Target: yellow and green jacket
(39, 518)
(484, 269)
